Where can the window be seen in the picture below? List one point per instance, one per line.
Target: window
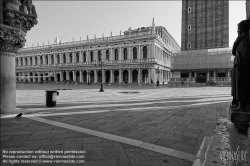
(134, 53)
(70, 58)
(116, 54)
(64, 58)
(145, 52)
(52, 59)
(125, 54)
(58, 58)
(189, 10)
(99, 56)
(30, 61)
(35, 60)
(91, 56)
(107, 55)
(189, 45)
(189, 27)
(77, 57)
(84, 57)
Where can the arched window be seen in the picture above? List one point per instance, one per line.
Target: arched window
(145, 51)
(77, 57)
(47, 60)
(41, 60)
(125, 54)
(58, 59)
(21, 59)
(52, 59)
(134, 53)
(84, 57)
(116, 54)
(99, 56)
(31, 61)
(107, 55)
(26, 61)
(91, 56)
(64, 58)
(70, 58)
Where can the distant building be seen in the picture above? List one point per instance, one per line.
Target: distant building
(204, 24)
(137, 56)
(204, 42)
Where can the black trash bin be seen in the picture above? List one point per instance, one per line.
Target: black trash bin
(51, 98)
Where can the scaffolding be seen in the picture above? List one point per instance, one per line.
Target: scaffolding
(219, 58)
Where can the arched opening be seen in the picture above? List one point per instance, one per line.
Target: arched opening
(135, 76)
(116, 54)
(125, 54)
(84, 76)
(41, 78)
(107, 73)
(21, 61)
(46, 77)
(134, 53)
(31, 61)
(99, 76)
(36, 77)
(46, 60)
(84, 57)
(125, 76)
(52, 78)
(99, 56)
(71, 76)
(145, 76)
(70, 58)
(77, 76)
(17, 77)
(77, 57)
(116, 76)
(145, 52)
(31, 77)
(64, 76)
(64, 58)
(58, 77)
(52, 59)
(92, 76)
(91, 56)
(107, 55)
(58, 59)
(26, 62)
(41, 60)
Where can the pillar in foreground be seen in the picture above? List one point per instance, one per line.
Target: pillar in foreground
(15, 20)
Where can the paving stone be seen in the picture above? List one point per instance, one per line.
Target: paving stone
(194, 126)
(153, 161)
(5, 138)
(15, 141)
(91, 140)
(96, 154)
(33, 143)
(51, 147)
(184, 148)
(168, 143)
(136, 152)
(140, 132)
(72, 144)
(152, 137)
(173, 135)
(95, 163)
(185, 140)
(10, 133)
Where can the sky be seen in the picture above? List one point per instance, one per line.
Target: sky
(75, 19)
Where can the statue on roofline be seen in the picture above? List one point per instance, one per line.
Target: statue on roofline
(28, 8)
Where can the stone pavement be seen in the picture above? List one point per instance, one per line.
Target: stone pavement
(169, 123)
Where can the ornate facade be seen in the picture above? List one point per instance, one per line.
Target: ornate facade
(137, 56)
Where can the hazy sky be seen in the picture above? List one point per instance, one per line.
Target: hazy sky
(68, 19)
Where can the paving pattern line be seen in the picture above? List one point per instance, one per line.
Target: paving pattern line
(122, 105)
(133, 142)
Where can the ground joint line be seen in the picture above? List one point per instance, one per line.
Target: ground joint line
(133, 142)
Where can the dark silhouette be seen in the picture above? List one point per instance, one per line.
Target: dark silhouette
(241, 69)
(19, 115)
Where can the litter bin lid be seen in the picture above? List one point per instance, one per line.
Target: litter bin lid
(51, 90)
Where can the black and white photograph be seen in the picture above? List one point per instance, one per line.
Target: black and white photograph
(125, 83)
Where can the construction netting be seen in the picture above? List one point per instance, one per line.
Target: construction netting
(203, 59)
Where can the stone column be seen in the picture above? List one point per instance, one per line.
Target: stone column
(129, 52)
(139, 52)
(67, 75)
(11, 39)
(139, 76)
(120, 76)
(111, 76)
(95, 76)
(39, 78)
(81, 79)
(214, 75)
(88, 76)
(74, 76)
(61, 76)
(129, 76)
